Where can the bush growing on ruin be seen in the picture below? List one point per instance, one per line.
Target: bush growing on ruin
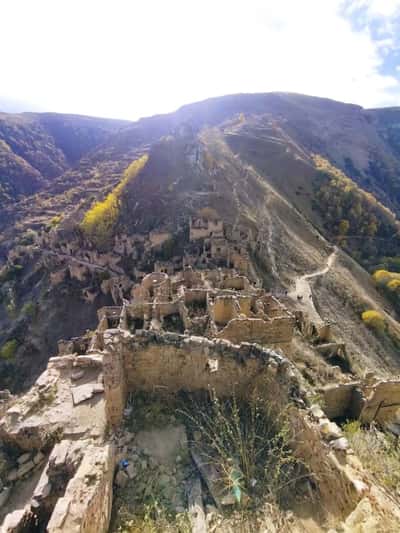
(378, 452)
(374, 320)
(249, 445)
(99, 221)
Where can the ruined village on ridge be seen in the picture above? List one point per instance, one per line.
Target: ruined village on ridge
(198, 322)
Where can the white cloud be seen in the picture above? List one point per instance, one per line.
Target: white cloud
(132, 59)
(381, 8)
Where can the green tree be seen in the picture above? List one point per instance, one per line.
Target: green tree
(9, 349)
(344, 226)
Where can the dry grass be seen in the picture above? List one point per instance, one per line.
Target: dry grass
(249, 445)
(379, 453)
(155, 519)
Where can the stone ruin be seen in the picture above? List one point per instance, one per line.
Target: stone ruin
(198, 324)
(209, 245)
(182, 332)
(217, 304)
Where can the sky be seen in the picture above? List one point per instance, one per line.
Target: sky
(134, 58)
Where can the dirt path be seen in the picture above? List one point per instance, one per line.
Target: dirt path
(302, 293)
(83, 262)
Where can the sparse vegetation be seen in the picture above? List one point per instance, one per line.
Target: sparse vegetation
(55, 221)
(249, 445)
(29, 309)
(99, 222)
(10, 272)
(28, 237)
(156, 519)
(379, 452)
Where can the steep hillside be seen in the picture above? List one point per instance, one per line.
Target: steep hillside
(250, 158)
(34, 148)
(221, 254)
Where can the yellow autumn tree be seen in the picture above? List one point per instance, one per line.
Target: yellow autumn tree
(374, 320)
(382, 277)
(99, 221)
(394, 285)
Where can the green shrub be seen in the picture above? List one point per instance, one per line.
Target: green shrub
(28, 237)
(10, 272)
(29, 309)
(9, 349)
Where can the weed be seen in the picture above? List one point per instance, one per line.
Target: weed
(249, 445)
(379, 453)
(155, 519)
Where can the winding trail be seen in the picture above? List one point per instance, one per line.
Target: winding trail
(73, 259)
(302, 293)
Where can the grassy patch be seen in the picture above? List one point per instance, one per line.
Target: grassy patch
(379, 453)
(155, 519)
(249, 445)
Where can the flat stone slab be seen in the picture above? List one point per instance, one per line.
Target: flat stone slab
(85, 392)
(23, 458)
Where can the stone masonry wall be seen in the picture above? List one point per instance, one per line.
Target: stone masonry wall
(169, 362)
(276, 331)
(382, 402)
(86, 504)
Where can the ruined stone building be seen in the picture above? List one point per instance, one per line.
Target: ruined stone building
(191, 328)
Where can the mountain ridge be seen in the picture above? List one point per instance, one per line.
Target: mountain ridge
(226, 155)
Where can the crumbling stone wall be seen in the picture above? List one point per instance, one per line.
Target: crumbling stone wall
(340, 400)
(201, 228)
(114, 376)
(382, 402)
(86, 504)
(224, 309)
(170, 362)
(276, 331)
(339, 485)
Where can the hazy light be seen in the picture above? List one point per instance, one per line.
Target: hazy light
(132, 58)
